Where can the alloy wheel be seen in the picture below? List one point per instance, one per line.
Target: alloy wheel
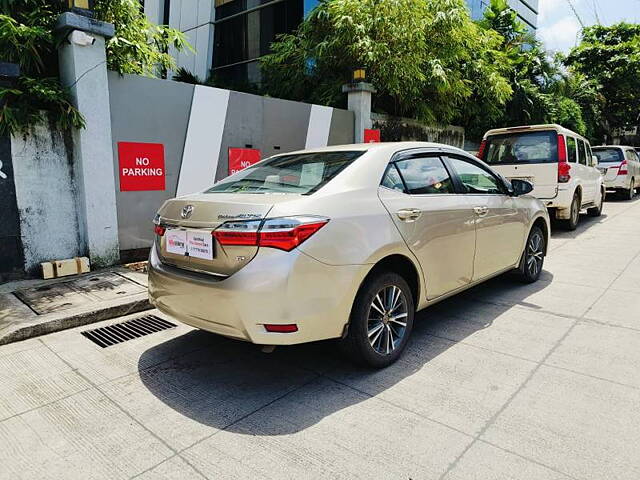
(535, 254)
(387, 319)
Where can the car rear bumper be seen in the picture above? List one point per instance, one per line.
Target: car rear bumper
(276, 287)
(620, 182)
(562, 200)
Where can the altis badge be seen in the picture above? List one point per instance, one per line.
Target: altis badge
(250, 216)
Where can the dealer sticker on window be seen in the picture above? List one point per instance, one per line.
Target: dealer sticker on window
(176, 241)
(195, 243)
(200, 244)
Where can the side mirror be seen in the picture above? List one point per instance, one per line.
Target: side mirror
(594, 161)
(521, 187)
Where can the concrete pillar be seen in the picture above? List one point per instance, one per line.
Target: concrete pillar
(83, 69)
(359, 102)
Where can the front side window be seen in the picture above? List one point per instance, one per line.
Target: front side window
(475, 179)
(302, 174)
(572, 155)
(425, 176)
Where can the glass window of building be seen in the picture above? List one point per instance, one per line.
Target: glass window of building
(244, 31)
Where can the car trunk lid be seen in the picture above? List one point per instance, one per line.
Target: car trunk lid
(609, 170)
(188, 242)
(543, 176)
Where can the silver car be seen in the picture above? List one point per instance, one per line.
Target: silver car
(342, 243)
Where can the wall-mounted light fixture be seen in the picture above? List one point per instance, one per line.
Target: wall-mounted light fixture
(359, 75)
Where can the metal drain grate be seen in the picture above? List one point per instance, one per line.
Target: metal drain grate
(122, 332)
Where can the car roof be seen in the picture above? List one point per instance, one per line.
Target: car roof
(379, 147)
(615, 146)
(534, 128)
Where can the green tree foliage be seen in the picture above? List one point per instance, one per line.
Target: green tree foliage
(426, 58)
(543, 90)
(139, 46)
(27, 38)
(610, 58)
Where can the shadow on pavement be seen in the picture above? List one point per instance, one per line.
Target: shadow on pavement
(586, 222)
(226, 381)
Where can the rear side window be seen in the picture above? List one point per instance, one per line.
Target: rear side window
(302, 174)
(392, 179)
(524, 147)
(425, 175)
(572, 154)
(582, 152)
(631, 156)
(608, 155)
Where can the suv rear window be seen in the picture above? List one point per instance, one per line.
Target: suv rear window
(608, 155)
(522, 147)
(301, 174)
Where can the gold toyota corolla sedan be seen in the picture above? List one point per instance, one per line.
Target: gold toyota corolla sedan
(342, 243)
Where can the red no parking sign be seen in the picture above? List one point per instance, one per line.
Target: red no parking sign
(141, 166)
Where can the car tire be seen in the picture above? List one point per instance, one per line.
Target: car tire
(630, 193)
(597, 211)
(532, 260)
(376, 338)
(574, 216)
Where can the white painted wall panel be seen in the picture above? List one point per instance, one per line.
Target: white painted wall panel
(319, 126)
(204, 139)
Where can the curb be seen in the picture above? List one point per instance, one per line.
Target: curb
(56, 322)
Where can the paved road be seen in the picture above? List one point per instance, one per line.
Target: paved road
(506, 381)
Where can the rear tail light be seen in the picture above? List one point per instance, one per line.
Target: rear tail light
(282, 233)
(157, 228)
(564, 168)
(238, 233)
(622, 169)
(290, 328)
(483, 147)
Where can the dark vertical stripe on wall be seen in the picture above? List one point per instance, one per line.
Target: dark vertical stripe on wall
(11, 255)
(166, 12)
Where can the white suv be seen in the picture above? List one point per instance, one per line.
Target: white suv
(558, 162)
(620, 167)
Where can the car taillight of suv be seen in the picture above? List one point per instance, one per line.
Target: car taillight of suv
(564, 167)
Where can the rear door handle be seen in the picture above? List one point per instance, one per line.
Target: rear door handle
(409, 214)
(481, 211)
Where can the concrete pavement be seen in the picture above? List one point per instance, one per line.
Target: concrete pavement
(505, 381)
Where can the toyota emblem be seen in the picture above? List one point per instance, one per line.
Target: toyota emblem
(187, 210)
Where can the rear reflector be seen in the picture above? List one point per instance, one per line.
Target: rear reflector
(291, 328)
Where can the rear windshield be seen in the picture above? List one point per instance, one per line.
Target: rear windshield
(607, 155)
(526, 147)
(300, 174)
